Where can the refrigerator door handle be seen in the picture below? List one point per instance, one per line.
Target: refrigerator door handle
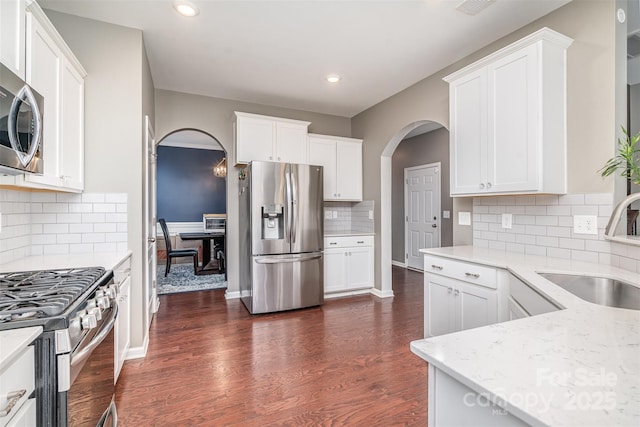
(288, 213)
(288, 258)
(294, 204)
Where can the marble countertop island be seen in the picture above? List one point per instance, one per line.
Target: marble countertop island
(579, 366)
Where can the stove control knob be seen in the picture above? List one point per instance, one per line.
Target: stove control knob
(89, 321)
(99, 293)
(103, 302)
(96, 312)
(91, 304)
(112, 291)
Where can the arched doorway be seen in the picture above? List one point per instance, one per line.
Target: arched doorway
(386, 202)
(191, 182)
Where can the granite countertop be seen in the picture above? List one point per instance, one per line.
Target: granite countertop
(108, 260)
(576, 366)
(13, 341)
(348, 233)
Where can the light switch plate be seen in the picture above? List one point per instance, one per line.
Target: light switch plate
(446, 214)
(507, 220)
(370, 214)
(335, 214)
(464, 218)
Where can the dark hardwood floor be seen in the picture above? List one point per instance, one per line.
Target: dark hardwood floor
(348, 362)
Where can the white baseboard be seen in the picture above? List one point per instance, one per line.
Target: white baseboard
(399, 264)
(138, 352)
(345, 294)
(232, 295)
(381, 294)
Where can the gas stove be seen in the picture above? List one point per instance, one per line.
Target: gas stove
(45, 298)
(74, 357)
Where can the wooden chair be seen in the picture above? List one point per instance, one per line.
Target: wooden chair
(176, 253)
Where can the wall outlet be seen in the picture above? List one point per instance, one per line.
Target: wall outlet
(328, 214)
(335, 214)
(370, 214)
(446, 214)
(464, 218)
(585, 224)
(507, 220)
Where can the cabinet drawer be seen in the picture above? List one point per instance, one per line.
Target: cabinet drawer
(17, 377)
(347, 241)
(531, 301)
(473, 273)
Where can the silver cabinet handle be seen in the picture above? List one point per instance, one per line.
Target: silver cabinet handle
(481, 185)
(151, 240)
(450, 290)
(270, 157)
(488, 185)
(12, 399)
(456, 293)
(360, 242)
(474, 275)
(434, 225)
(437, 267)
(333, 243)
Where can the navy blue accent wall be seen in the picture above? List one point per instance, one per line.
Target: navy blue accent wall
(187, 187)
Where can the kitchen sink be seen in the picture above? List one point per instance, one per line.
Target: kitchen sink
(598, 290)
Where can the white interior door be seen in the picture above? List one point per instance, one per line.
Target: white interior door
(151, 295)
(422, 212)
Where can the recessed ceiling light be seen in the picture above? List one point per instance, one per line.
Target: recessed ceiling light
(186, 8)
(333, 78)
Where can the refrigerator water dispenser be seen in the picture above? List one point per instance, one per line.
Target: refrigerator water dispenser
(272, 222)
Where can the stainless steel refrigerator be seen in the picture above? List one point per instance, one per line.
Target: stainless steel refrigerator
(281, 236)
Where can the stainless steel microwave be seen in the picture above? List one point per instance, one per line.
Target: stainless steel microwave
(21, 109)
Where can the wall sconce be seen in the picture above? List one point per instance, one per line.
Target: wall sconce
(220, 170)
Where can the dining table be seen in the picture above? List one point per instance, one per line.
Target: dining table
(206, 238)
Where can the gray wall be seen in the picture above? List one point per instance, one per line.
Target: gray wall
(427, 148)
(590, 105)
(176, 111)
(117, 96)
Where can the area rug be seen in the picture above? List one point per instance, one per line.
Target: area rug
(182, 279)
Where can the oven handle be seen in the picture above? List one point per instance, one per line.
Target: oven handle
(97, 339)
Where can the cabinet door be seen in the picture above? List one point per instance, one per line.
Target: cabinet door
(44, 63)
(438, 306)
(322, 152)
(12, 35)
(475, 306)
(360, 268)
(349, 170)
(254, 139)
(514, 95)
(123, 332)
(335, 275)
(72, 131)
(468, 134)
(291, 143)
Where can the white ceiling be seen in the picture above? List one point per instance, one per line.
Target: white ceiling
(278, 52)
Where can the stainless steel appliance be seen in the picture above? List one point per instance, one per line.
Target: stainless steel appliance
(21, 109)
(281, 242)
(74, 356)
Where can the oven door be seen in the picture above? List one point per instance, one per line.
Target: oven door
(90, 397)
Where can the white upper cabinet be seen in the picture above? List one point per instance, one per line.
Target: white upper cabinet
(269, 139)
(508, 119)
(12, 35)
(54, 72)
(341, 159)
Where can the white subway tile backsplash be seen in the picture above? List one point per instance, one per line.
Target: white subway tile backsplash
(543, 224)
(42, 223)
(497, 245)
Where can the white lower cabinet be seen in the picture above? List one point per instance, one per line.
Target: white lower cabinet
(122, 276)
(348, 263)
(459, 296)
